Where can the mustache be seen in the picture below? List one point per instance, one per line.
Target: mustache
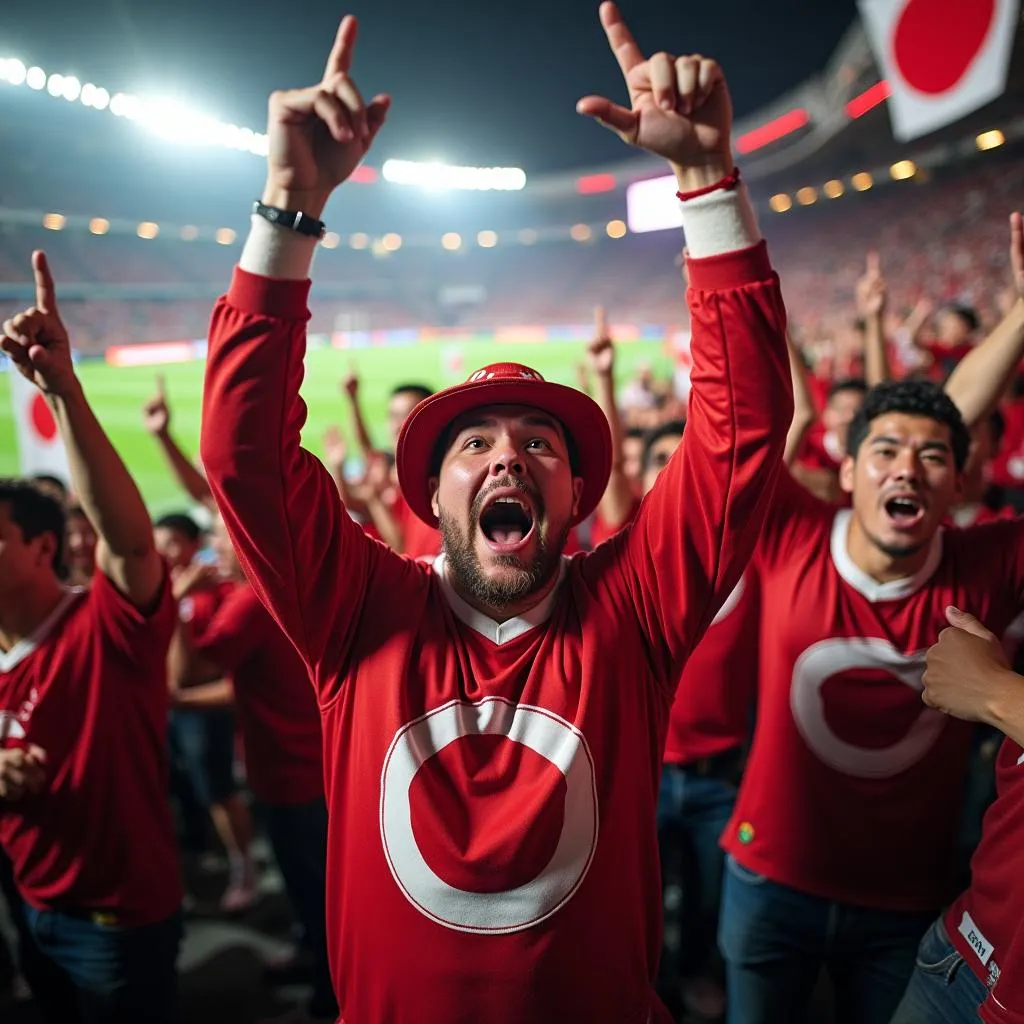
(505, 482)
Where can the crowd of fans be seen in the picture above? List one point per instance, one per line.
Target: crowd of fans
(752, 606)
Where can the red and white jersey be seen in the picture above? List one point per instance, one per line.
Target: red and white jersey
(713, 706)
(277, 709)
(492, 786)
(852, 789)
(90, 688)
(986, 924)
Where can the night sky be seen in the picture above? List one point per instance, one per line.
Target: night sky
(472, 82)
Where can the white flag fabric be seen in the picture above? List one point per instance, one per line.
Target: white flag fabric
(942, 59)
(40, 449)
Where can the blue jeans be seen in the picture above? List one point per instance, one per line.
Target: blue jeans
(298, 835)
(122, 975)
(692, 814)
(776, 940)
(943, 989)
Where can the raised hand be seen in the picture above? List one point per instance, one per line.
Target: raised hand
(318, 135)
(871, 291)
(37, 341)
(190, 578)
(601, 349)
(335, 449)
(679, 106)
(156, 413)
(22, 772)
(350, 384)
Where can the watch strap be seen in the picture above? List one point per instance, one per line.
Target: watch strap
(295, 220)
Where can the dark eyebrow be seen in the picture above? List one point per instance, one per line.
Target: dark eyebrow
(926, 446)
(541, 421)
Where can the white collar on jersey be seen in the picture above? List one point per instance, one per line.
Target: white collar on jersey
(23, 648)
(496, 632)
(874, 591)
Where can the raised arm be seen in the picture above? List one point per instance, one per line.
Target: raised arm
(618, 498)
(350, 388)
(38, 344)
(804, 413)
(308, 562)
(697, 528)
(983, 375)
(156, 417)
(871, 301)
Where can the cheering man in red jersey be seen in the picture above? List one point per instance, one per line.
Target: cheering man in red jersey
(84, 816)
(493, 722)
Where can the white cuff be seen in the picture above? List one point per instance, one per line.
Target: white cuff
(719, 221)
(273, 251)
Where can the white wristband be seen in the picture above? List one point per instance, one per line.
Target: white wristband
(273, 251)
(719, 222)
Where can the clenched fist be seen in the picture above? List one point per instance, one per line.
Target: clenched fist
(317, 136)
(22, 772)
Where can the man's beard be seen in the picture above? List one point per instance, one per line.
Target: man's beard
(464, 564)
(897, 550)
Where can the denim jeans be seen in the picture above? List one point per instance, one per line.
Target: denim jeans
(943, 989)
(298, 835)
(122, 975)
(776, 940)
(692, 814)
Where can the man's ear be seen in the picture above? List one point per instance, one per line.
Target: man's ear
(847, 472)
(434, 483)
(577, 491)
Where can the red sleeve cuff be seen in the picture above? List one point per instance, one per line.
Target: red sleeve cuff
(269, 296)
(731, 269)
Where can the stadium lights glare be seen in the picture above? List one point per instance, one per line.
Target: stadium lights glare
(225, 236)
(12, 70)
(331, 240)
(391, 242)
(807, 196)
(902, 170)
(580, 233)
(99, 225)
(35, 78)
(862, 181)
(147, 229)
(990, 139)
(452, 241)
(445, 176)
(833, 189)
(780, 202)
(359, 240)
(616, 229)
(487, 239)
(53, 221)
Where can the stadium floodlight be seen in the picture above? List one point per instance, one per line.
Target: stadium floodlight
(833, 189)
(990, 139)
(652, 205)
(331, 240)
(780, 203)
(902, 170)
(99, 225)
(862, 181)
(580, 233)
(53, 221)
(438, 176)
(359, 240)
(487, 239)
(12, 71)
(616, 229)
(35, 78)
(147, 229)
(71, 88)
(126, 106)
(225, 236)
(807, 196)
(54, 85)
(391, 242)
(452, 241)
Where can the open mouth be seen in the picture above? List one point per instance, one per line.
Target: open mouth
(506, 523)
(904, 511)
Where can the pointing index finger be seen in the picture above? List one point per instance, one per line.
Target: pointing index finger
(340, 59)
(620, 39)
(46, 290)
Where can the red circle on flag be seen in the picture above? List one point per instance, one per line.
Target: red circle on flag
(41, 418)
(487, 813)
(936, 41)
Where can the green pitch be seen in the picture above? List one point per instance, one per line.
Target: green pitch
(118, 393)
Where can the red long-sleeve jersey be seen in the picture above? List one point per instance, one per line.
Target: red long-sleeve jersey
(491, 786)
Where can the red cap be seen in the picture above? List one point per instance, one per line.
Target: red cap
(504, 384)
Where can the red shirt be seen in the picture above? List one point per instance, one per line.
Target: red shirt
(198, 609)
(421, 540)
(277, 710)
(492, 852)
(600, 531)
(821, 449)
(872, 778)
(90, 688)
(1008, 464)
(711, 712)
(986, 924)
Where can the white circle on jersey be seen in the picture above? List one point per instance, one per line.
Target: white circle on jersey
(490, 913)
(828, 658)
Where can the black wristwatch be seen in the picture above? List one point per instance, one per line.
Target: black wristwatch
(301, 222)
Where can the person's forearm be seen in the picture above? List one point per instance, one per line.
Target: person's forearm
(983, 374)
(803, 403)
(192, 481)
(107, 492)
(876, 355)
(359, 427)
(386, 524)
(218, 694)
(1006, 710)
(185, 667)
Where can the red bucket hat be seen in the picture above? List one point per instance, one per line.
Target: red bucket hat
(504, 384)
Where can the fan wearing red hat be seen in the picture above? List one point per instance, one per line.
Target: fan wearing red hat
(493, 722)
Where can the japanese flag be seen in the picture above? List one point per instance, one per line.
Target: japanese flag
(942, 59)
(40, 449)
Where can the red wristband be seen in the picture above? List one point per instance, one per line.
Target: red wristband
(729, 182)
